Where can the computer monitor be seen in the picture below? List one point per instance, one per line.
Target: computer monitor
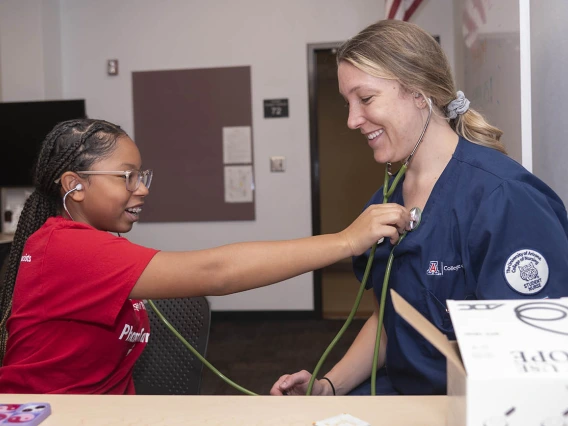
(23, 127)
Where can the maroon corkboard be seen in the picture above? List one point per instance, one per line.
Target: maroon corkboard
(179, 117)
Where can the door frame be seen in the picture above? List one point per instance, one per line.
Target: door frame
(314, 159)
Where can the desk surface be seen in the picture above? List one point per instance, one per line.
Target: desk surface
(243, 410)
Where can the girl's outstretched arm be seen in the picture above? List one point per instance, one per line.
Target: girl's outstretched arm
(243, 266)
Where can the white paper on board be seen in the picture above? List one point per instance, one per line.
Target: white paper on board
(237, 145)
(238, 184)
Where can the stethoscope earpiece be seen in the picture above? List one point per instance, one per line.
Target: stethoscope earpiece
(78, 187)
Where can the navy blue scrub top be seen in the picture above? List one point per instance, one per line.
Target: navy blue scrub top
(490, 230)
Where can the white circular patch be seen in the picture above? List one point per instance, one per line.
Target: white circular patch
(526, 271)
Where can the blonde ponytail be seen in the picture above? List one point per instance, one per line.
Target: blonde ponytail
(472, 126)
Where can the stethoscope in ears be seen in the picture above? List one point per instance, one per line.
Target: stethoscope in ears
(78, 187)
(415, 214)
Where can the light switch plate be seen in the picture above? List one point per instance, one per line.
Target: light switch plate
(112, 67)
(277, 164)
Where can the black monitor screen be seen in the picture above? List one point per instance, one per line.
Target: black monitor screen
(23, 127)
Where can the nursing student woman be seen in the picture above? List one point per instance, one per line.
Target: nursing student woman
(480, 211)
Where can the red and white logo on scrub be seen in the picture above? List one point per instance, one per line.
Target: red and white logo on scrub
(433, 268)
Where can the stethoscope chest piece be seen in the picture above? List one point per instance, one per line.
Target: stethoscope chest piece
(415, 217)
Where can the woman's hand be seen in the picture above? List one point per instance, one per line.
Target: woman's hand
(376, 222)
(297, 384)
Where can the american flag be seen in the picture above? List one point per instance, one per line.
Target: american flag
(401, 9)
(474, 18)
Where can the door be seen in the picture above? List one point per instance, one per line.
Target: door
(344, 177)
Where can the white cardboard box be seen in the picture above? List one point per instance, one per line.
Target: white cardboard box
(511, 366)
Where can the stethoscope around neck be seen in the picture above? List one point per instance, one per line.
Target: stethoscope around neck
(415, 217)
(415, 214)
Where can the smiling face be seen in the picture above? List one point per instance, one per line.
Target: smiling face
(105, 202)
(388, 116)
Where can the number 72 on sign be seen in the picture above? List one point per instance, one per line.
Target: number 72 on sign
(275, 108)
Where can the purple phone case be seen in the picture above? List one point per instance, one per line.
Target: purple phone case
(30, 414)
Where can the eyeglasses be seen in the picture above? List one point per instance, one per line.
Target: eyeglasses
(131, 177)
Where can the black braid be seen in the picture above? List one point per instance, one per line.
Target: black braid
(71, 146)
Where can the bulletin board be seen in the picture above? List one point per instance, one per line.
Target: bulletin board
(194, 129)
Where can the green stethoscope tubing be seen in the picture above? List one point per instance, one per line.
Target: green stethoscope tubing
(197, 354)
(387, 192)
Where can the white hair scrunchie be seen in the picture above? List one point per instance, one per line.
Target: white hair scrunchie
(458, 106)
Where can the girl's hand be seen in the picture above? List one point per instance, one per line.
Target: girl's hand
(376, 222)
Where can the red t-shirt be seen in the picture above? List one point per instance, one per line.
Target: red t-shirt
(73, 328)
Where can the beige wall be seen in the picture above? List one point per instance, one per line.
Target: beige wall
(30, 50)
(549, 56)
(489, 66)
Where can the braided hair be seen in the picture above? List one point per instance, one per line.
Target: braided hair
(71, 146)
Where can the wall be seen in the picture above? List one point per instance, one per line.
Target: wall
(549, 90)
(30, 50)
(272, 38)
(21, 50)
(489, 64)
(51, 41)
(541, 80)
(30, 65)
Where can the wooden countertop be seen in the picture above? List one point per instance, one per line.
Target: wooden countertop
(140, 410)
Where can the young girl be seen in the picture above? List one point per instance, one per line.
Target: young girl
(72, 320)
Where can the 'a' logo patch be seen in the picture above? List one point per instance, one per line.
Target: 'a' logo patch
(433, 269)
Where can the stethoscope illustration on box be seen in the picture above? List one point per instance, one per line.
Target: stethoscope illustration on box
(415, 214)
(547, 316)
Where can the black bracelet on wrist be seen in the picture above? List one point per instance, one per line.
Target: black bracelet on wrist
(331, 384)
